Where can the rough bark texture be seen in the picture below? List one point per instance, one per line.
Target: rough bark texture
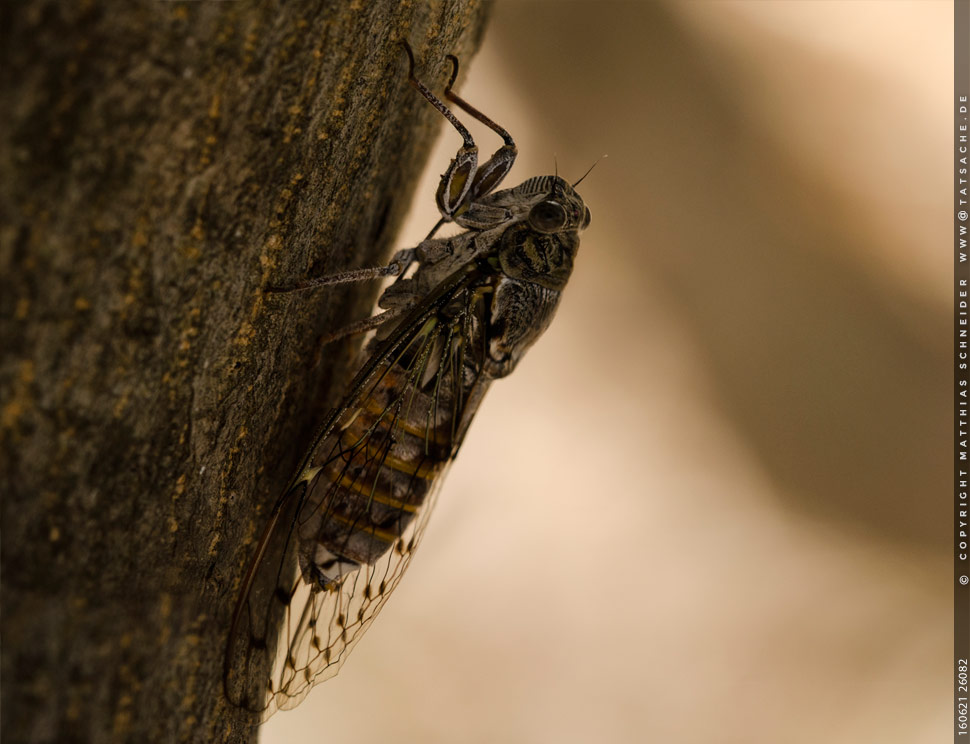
(162, 163)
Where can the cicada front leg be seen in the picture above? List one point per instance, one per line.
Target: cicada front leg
(465, 182)
(492, 172)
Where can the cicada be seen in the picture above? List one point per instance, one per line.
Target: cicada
(461, 313)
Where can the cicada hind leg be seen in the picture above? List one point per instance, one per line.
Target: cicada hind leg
(465, 182)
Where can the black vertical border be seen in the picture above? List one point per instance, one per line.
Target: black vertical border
(961, 377)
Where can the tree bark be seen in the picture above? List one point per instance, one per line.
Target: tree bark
(163, 164)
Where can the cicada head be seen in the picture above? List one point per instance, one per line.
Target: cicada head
(541, 245)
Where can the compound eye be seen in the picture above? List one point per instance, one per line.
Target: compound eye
(585, 220)
(547, 216)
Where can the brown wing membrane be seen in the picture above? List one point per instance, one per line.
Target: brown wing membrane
(341, 537)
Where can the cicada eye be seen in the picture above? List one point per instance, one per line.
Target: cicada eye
(585, 220)
(547, 216)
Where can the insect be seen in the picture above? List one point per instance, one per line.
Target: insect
(461, 313)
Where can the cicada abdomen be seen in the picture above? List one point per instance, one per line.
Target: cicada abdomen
(373, 473)
(340, 538)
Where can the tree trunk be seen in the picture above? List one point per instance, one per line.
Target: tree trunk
(163, 163)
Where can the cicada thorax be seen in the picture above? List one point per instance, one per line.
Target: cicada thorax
(540, 258)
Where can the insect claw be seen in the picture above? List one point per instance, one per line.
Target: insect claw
(454, 73)
(410, 53)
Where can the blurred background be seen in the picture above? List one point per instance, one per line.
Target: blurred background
(712, 504)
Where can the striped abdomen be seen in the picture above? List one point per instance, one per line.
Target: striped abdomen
(373, 473)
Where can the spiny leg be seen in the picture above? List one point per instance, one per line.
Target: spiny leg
(398, 265)
(362, 326)
(453, 191)
(456, 183)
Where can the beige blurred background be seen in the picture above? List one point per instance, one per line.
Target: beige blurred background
(712, 505)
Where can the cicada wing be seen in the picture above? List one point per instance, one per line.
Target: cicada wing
(322, 626)
(361, 503)
(264, 600)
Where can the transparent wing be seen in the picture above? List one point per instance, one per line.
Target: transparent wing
(339, 541)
